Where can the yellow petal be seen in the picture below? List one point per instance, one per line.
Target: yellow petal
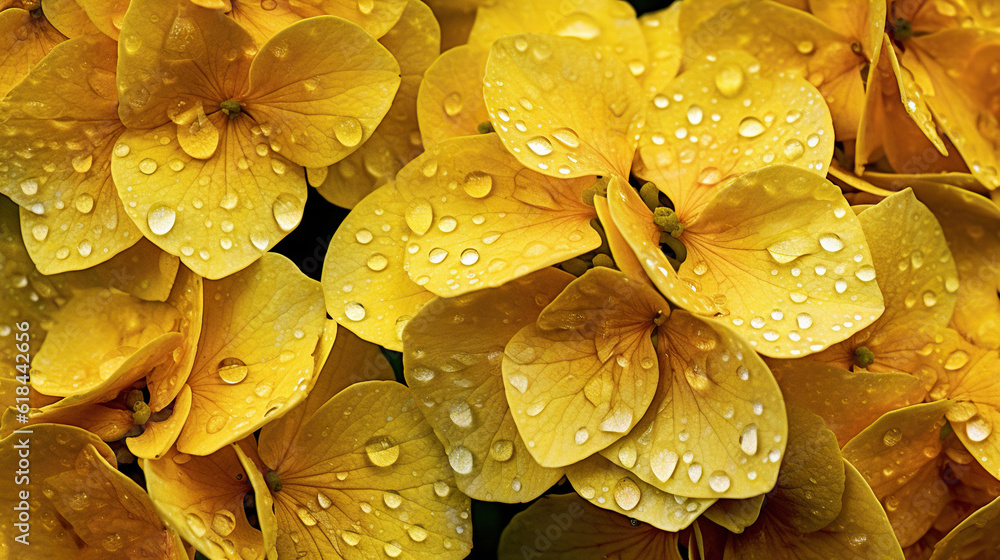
(457, 377)
(202, 499)
(625, 259)
(415, 42)
(721, 118)
(586, 126)
(450, 101)
(365, 282)
(797, 44)
(102, 340)
(862, 21)
(59, 135)
(322, 85)
(106, 15)
(607, 25)
(196, 134)
(909, 119)
(566, 527)
(25, 40)
(810, 385)
(635, 222)
(358, 486)
(81, 507)
(175, 54)
(970, 223)
(158, 437)
(350, 360)
(106, 422)
(167, 380)
(69, 17)
(816, 254)
(959, 61)
(860, 531)
(898, 456)
(479, 218)
(716, 426)
(255, 355)
(610, 487)
(265, 19)
(581, 378)
(735, 515)
(218, 215)
(666, 47)
(975, 537)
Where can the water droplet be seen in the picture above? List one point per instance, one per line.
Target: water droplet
(460, 459)
(470, 257)
(377, 262)
(540, 145)
(348, 131)
(627, 494)
(84, 203)
(805, 47)
(695, 115)
(452, 104)
(892, 437)
(627, 455)
(392, 500)
(566, 137)
(831, 242)
(232, 370)
(306, 518)
(216, 423)
(694, 472)
(804, 320)
(478, 184)
(351, 538)
(502, 449)
(750, 127)
(978, 429)
(442, 489)
(437, 255)
(930, 298)
(323, 500)
(461, 415)
(40, 232)
(417, 533)
(287, 211)
(663, 464)
(748, 439)
(956, 360)
(581, 437)
(519, 382)
(363, 236)
(865, 273)
(366, 6)
(382, 451)
(447, 224)
(419, 215)
(161, 218)
(196, 525)
(147, 166)
(793, 150)
(354, 311)
(121, 150)
(719, 481)
(729, 80)
(223, 522)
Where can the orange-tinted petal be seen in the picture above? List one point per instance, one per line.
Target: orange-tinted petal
(255, 355)
(380, 486)
(202, 499)
(975, 537)
(863, 21)
(970, 223)
(106, 422)
(721, 118)
(415, 42)
(898, 456)
(450, 101)
(81, 507)
(581, 378)
(959, 63)
(457, 378)
(265, 19)
(69, 17)
(24, 40)
(218, 215)
(610, 487)
(561, 107)
(169, 377)
(106, 15)
(479, 218)
(621, 252)
(58, 138)
(566, 527)
(716, 427)
(813, 384)
(365, 282)
(787, 262)
(735, 515)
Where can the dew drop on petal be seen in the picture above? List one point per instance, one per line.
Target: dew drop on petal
(501, 450)
(627, 494)
(460, 459)
(892, 437)
(354, 311)
(540, 145)
(382, 451)
(719, 481)
(161, 219)
(232, 370)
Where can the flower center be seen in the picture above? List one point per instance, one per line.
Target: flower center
(231, 108)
